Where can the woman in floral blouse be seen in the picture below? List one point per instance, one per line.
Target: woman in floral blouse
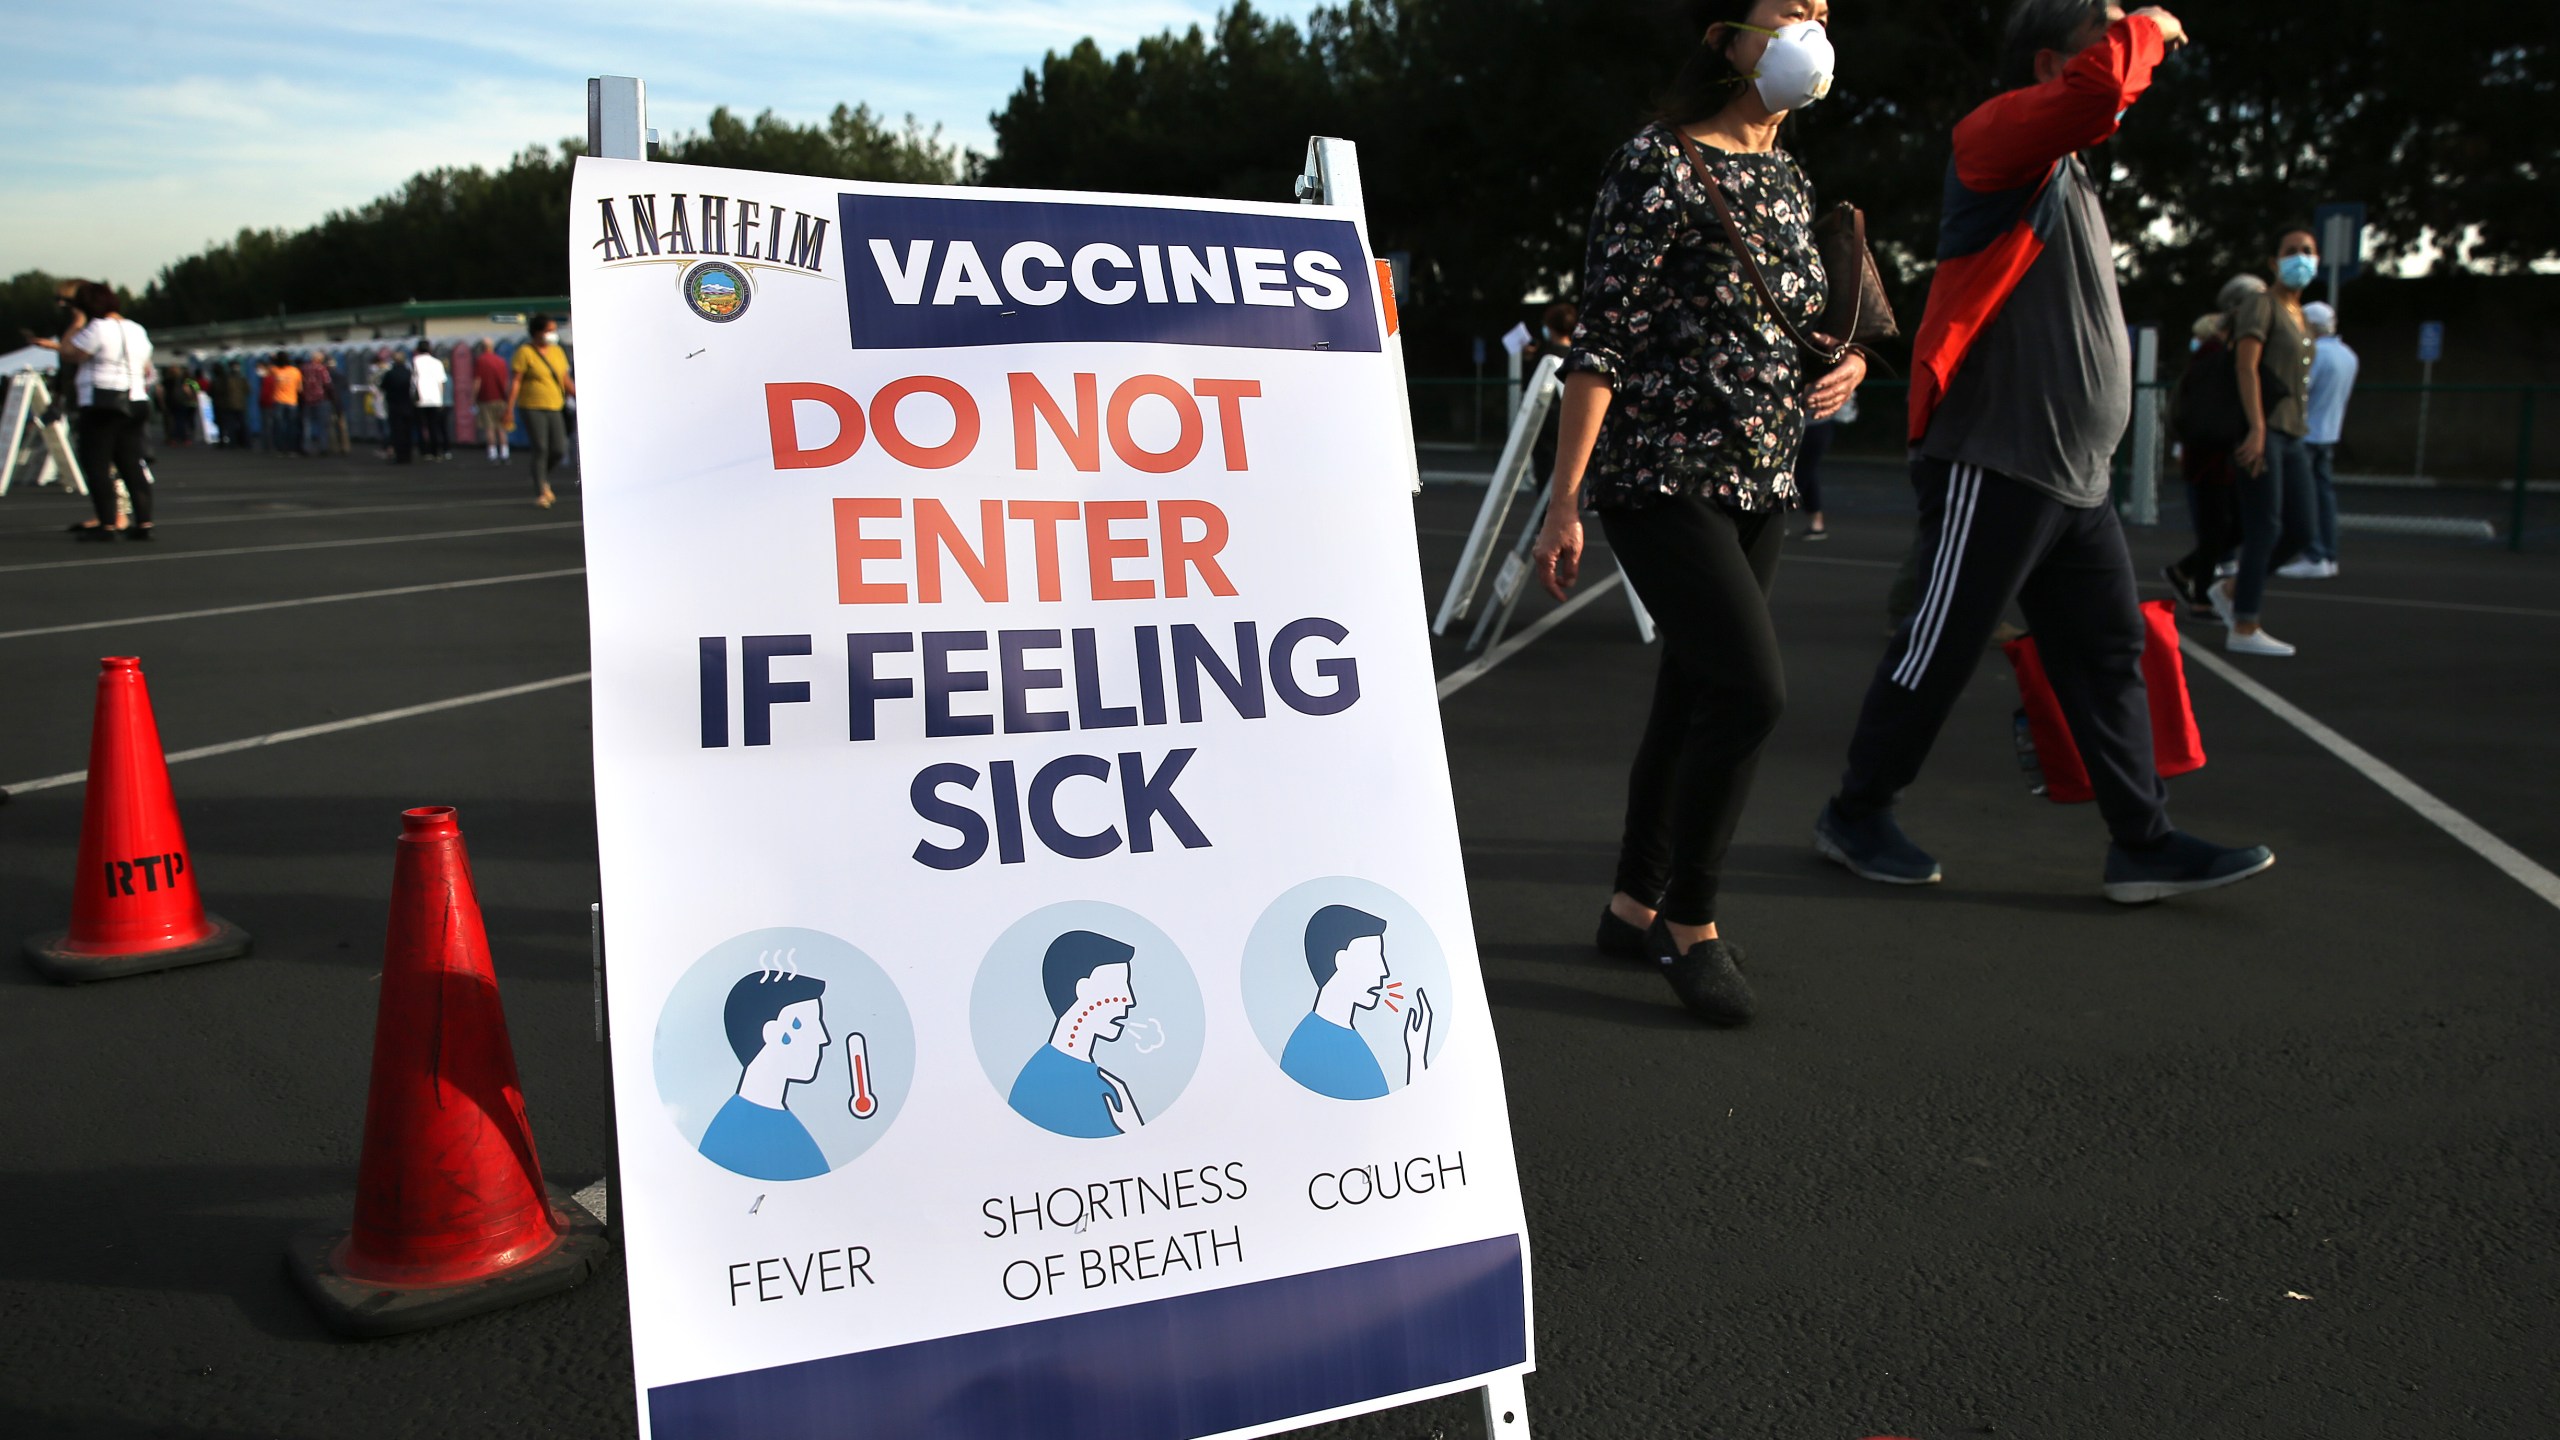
(1682, 413)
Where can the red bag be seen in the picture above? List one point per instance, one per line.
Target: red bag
(2176, 745)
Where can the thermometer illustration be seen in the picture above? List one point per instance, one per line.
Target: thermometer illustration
(857, 1057)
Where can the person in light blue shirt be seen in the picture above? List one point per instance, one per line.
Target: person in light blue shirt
(2333, 379)
(778, 1030)
(1091, 991)
(1347, 958)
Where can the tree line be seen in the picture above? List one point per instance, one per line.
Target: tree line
(1484, 125)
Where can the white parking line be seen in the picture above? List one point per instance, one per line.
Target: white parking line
(290, 604)
(2400, 787)
(1474, 670)
(279, 737)
(316, 512)
(274, 549)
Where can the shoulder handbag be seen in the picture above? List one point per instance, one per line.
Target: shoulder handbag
(1857, 311)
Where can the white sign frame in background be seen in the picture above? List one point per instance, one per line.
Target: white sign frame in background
(24, 411)
(618, 130)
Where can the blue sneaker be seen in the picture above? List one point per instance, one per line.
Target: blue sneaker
(1873, 849)
(2181, 865)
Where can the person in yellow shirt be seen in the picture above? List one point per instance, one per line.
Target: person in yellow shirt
(284, 417)
(539, 385)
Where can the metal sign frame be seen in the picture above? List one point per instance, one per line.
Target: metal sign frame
(23, 411)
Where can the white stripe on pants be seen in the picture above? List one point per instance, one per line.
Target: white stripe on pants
(1955, 523)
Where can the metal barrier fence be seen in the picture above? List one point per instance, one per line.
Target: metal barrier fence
(2455, 460)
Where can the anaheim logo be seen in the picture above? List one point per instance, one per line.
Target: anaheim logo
(682, 228)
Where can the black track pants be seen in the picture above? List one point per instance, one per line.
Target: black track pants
(1703, 571)
(1985, 539)
(110, 445)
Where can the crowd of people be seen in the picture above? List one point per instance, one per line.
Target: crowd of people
(2257, 417)
(399, 398)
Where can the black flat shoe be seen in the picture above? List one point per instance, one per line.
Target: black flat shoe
(94, 534)
(141, 532)
(1619, 938)
(1706, 978)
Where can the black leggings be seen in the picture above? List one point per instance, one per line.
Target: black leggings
(1703, 570)
(111, 445)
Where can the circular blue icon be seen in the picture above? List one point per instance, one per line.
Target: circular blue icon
(1347, 989)
(1087, 1020)
(783, 1054)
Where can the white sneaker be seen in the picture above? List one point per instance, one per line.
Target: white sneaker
(2260, 643)
(2305, 568)
(2219, 597)
(2328, 569)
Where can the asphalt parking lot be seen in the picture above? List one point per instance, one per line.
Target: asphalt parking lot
(1999, 1158)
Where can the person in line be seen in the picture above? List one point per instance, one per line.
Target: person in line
(2021, 386)
(262, 432)
(399, 405)
(319, 403)
(113, 389)
(539, 388)
(434, 440)
(177, 405)
(231, 404)
(489, 399)
(1682, 411)
(2206, 417)
(2272, 350)
(2333, 379)
(284, 416)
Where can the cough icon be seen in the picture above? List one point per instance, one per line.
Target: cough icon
(1344, 984)
(1347, 959)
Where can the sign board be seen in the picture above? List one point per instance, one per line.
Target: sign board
(2340, 230)
(1044, 994)
(2430, 342)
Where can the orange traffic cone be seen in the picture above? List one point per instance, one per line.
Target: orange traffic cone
(452, 1216)
(134, 902)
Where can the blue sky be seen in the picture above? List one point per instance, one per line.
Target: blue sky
(139, 132)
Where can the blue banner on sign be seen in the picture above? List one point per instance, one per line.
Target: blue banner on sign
(1164, 1369)
(2431, 342)
(928, 273)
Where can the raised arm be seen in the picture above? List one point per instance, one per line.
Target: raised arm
(2013, 139)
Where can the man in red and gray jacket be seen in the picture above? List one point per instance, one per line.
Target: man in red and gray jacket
(2022, 383)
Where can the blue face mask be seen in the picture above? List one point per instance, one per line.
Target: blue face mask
(2297, 271)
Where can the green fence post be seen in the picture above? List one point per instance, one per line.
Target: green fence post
(2524, 465)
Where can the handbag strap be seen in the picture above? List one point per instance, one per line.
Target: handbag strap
(1827, 354)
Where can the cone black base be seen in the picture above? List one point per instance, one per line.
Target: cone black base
(364, 1310)
(77, 967)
